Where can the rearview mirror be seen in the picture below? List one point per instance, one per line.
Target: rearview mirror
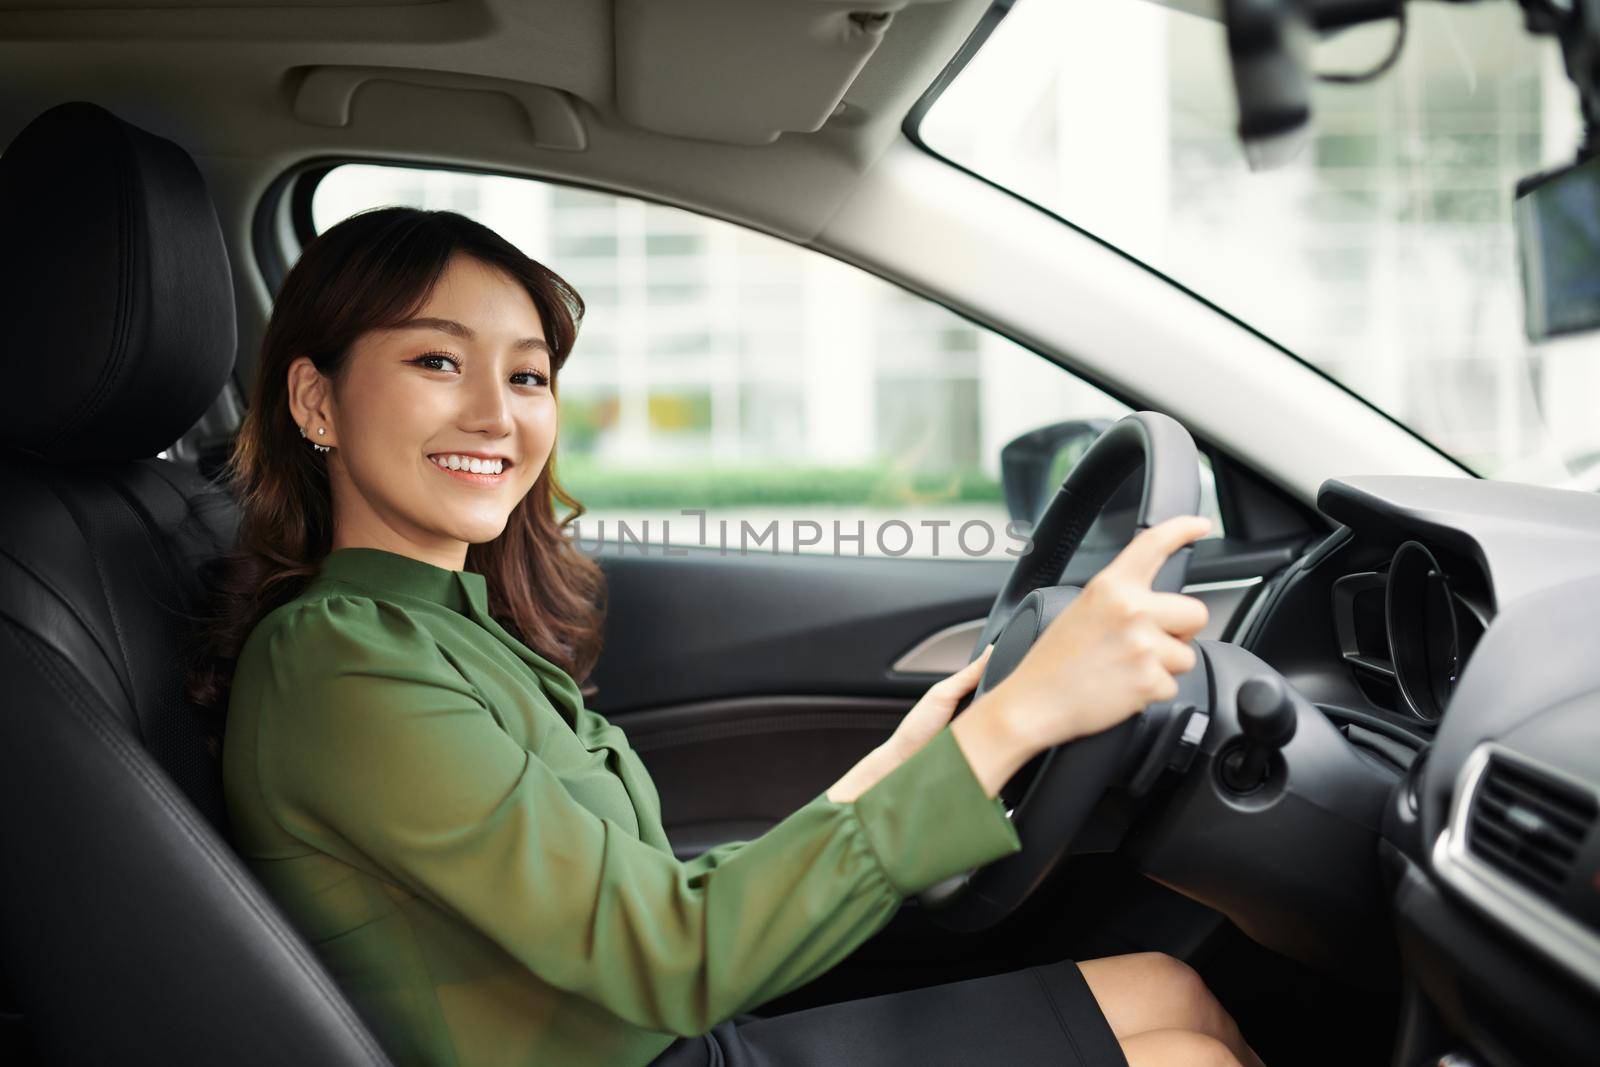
(1558, 243)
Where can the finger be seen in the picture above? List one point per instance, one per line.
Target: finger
(1179, 615)
(1178, 657)
(1173, 655)
(1141, 559)
(975, 668)
(1163, 687)
(967, 677)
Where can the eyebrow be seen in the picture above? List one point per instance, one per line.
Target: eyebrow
(451, 326)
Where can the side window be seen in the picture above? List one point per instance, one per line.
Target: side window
(731, 390)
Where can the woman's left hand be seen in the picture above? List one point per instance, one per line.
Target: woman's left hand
(932, 713)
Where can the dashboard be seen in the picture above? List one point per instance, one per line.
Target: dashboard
(1407, 629)
(1450, 629)
(1379, 622)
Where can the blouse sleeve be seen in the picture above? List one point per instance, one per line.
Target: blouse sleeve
(374, 747)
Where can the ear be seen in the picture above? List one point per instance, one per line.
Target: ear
(311, 400)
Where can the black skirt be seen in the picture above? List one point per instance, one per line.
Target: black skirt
(1044, 1015)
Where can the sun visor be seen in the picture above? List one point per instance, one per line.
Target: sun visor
(326, 97)
(742, 71)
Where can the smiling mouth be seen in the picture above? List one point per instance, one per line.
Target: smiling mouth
(489, 472)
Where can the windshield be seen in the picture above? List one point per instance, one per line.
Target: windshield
(1383, 254)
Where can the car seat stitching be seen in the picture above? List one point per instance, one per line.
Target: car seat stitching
(128, 180)
(66, 602)
(149, 526)
(96, 557)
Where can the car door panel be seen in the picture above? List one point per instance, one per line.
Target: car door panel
(749, 683)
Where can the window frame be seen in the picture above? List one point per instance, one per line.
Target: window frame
(285, 210)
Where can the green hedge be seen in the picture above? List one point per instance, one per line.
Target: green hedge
(601, 486)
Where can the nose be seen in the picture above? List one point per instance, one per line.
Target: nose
(488, 407)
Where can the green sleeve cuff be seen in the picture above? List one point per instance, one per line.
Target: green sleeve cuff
(929, 818)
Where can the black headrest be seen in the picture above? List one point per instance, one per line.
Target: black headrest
(115, 291)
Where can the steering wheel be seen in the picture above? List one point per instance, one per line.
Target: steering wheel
(1069, 778)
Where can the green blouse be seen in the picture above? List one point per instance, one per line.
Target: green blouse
(479, 859)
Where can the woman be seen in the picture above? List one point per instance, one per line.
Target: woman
(479, 858)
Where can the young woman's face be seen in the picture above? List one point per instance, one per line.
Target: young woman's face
(468, 376)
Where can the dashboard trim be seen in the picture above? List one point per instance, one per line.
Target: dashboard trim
(1562, 939)
(1260, 608)
(1217, 587)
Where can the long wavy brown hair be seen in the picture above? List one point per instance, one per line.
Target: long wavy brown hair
(373, 270)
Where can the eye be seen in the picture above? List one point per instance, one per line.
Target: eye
(431, 356)
(539, 378)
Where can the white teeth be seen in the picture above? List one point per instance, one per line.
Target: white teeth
(469, 463)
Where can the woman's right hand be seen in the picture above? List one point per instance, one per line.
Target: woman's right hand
(1116, 648)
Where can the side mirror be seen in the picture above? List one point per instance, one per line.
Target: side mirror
(1033, 465)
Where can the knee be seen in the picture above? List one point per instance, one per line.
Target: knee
(1193, 1007)
(1177, 1048)
(1203, 1050)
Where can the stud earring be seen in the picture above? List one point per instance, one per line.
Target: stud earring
(321, 430)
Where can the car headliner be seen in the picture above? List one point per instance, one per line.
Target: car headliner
(222, 77)
(253, 91)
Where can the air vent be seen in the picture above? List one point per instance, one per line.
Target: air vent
(1529, 826)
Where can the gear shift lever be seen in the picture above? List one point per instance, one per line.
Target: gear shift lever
(1267, 720)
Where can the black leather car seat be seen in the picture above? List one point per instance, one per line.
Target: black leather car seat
(130, 932)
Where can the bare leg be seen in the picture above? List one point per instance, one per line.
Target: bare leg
(1145, 992)
(1176, 1048)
